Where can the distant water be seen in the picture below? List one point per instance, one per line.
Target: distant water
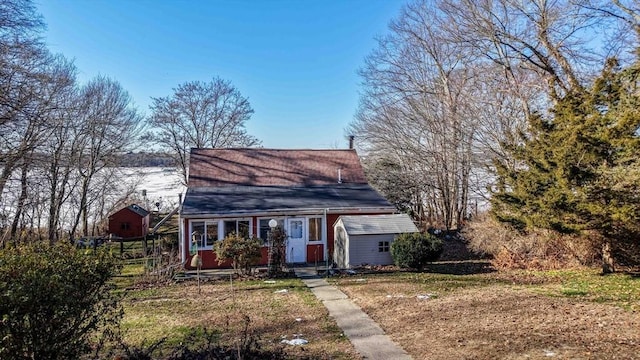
(161, 184)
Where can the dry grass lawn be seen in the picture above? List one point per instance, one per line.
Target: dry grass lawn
(509, 315)
(172, 311)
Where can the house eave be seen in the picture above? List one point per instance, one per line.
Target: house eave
(288, 212)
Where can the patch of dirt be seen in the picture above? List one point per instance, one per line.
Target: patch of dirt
(499, 322)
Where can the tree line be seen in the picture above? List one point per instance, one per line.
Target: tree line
(61, 140)
(528, 107)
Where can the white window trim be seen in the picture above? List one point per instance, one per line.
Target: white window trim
(322, 234)
(267, 218)
(220, 224)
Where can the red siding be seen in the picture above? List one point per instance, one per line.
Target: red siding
(315, 253)
(209, 260)
(127, 224)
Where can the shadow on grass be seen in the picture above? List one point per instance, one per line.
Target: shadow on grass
(634, 275)
(459, 267)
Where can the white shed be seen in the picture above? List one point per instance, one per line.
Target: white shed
(366, 239)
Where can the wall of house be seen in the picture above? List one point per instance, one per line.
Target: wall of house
(315, 250)
(210, 260)
(315, 253)
(331, 220)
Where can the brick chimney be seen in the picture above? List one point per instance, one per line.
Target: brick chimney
(351, 137)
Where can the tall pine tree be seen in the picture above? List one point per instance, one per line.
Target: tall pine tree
(579, 171)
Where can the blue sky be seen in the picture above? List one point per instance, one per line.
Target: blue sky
(296, 61)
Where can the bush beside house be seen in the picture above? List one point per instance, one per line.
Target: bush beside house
(243, 252)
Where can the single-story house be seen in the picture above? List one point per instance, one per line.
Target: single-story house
(129, 222)
(240, 190)
(366, 240)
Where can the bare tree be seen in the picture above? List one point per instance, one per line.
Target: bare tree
(110, 126)
(451, 88)
(33, 88)
(18, 18)
(60, 153)
(57, 142)
(412, 112)
(22, 63)
(200, 115)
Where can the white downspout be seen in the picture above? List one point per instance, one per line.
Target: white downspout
(325, 237)
(183, 255)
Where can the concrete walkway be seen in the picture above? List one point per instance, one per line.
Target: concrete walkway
(366, 336)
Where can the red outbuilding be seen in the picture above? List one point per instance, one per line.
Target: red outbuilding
(129, 222)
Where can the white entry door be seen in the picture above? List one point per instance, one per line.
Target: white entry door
(296, 245)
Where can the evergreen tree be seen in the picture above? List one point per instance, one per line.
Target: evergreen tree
(579, 171)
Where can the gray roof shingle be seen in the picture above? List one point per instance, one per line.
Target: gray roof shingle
(235, 200)
(138, 210)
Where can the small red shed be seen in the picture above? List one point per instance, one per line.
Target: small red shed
(129, 222)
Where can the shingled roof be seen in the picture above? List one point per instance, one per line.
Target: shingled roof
(258, 199)
(378, 224)
(138, 210)
(273, 167)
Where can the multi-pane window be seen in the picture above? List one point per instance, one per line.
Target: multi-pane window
(240, 227)
(210, 231)
(211, 235)
(125, 226)
(264, 228)
(315, 229)
(383, 246)
(197, 234)
(205, 233)
(295, 229)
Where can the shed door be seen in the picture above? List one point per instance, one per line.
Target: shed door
(339, 251)
(297, 245)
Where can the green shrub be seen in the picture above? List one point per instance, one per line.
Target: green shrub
(242, 252)
(414, 250)
(54, 300)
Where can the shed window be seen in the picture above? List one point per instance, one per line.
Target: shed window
(383, 246)
(315, 229)
(125, 226)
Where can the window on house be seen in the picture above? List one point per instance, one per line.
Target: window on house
(315, 229)
(383, 246)
(207, 234)
(125, 226)
(264, 228)
(211, 233)
(198, 234)
(240, 227)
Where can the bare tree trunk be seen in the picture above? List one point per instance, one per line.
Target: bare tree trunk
(21, 203)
